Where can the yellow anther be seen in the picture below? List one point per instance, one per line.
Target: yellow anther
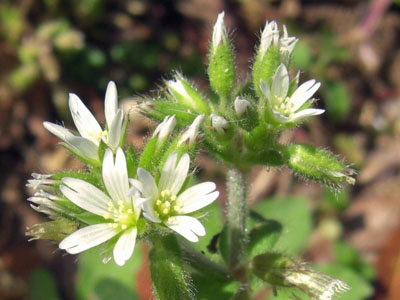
(158, 202)
(165, 211)
(177, 208)
(107, 216)
(173, 197)
(123, 227)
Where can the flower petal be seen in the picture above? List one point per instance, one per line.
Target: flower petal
(87, 238)
(85, 122)
(149, 187)
(197, 197)
(199, 202)
(125, 245)
(85, 195)
(115, 176)
(191, 223)
(185, 232)
(303, 93)
(280, 82)
(148, 211)
(83, 146)
(306, 113)
(111, 102)
(265, 89)
(59, 131)
(180, 174)
(167, 172)
(115, 130)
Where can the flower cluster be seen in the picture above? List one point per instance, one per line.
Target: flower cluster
(116, 207)
(243, 123)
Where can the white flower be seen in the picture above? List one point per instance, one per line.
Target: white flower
(167, 203)
(241, 106)
(219, 32)
(219, 123)
(190, 135)
(270, 37)
(289, 108)
(120, 211)
(164, 129)
(90, 131)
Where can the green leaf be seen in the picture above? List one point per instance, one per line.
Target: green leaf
(302, 56)
(92, 272)
(263, 237)
(347, 256)
(107, 289)
(170, 280)
(41, 285)
(337, 99)
(295, 217)
(210, 289)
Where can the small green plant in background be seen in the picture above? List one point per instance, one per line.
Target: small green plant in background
(125, 195)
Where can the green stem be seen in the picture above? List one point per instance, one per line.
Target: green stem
(236, 215)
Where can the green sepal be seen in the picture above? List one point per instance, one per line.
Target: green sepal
(53, 230)
(317, 164)
(122, 140)
(195, 100)
(92, 178)
(102, 150)
(147, 156)
(89, 218)
(221, 69)
(264, 68)
(249, 119)
(271, 267)
(131, 162)
(160, 108)
(170, 280)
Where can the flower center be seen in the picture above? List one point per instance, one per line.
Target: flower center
(98, 136)
(167, 205)
(283, 106)
(122, 215)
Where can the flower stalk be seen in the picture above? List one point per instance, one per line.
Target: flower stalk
(236, 216)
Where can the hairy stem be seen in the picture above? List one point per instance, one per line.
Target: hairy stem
(236, 215)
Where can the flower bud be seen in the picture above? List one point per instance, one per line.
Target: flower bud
(318, 164)
(184, 93)
(41, 181)
(164, 129)
(273, 50)
(279, 270)
(219, 123)
(45, 203)
(189, 136)
(241, 106)
(221, 69)
(54, 230)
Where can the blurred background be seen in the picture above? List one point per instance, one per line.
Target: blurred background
(49, 48)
